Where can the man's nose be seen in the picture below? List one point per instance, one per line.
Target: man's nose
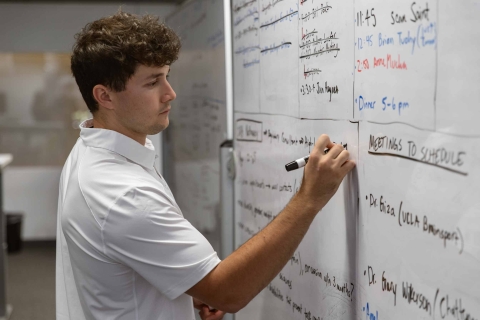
(169, 95)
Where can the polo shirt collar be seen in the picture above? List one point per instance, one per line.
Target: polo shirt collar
(118, 143)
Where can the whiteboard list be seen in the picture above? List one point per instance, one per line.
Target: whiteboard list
(396, 82)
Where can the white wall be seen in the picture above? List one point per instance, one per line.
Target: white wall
(49, 28)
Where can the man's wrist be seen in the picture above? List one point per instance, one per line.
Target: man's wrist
(305, 205)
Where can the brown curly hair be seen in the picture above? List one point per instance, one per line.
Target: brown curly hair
(107, 51)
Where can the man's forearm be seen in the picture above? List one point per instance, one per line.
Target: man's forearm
(243, 274)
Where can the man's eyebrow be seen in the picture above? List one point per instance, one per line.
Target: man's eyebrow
(154, 75)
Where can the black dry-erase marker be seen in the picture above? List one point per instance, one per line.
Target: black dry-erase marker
(300, 163)
(297, 163)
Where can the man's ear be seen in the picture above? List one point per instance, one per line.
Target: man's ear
(102, 95)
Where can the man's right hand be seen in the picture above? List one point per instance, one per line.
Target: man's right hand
(324, 173)
(207, 313)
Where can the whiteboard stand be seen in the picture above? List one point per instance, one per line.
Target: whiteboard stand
(227, 176)
(5, 310)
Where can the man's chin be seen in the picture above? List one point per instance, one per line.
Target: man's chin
(158, 128)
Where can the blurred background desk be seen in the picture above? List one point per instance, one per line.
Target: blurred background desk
(5, 310)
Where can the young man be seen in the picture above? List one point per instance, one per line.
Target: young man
(124, 250)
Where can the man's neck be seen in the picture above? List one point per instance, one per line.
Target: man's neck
(98, 123)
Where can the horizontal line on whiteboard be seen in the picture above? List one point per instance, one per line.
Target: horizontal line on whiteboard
(236, 9)
(399, 122)
(329, 119)
(268, 114)
(273, 48)
(423, 129)
(273, 22)
(249, 120)
(298, 118)
(319, 40)
(247, 140)
(318, 53)
(360, 121)
(416, 160)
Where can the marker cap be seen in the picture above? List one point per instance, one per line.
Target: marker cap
(291, 166)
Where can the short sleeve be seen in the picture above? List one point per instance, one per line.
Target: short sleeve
(148, 233)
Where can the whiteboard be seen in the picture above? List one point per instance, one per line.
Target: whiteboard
(396, 81)
(198, 123)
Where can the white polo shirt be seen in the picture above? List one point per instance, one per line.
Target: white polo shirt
(124, 250)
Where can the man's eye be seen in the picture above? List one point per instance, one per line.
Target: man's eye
(151, 84)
